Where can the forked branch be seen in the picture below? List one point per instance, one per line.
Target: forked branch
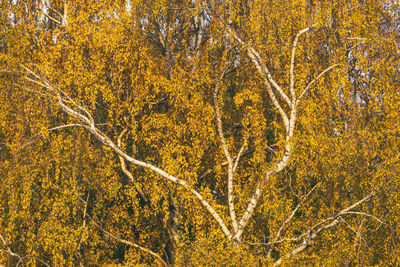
(126, 171)
(267, 78)
(231, 197)
(318, 228)
(278, 235)
(20, 258)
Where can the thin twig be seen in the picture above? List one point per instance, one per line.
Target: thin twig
(291, 216)
(72, 109)
(239, 155)
(126, 171)
(316, 79)
(318, 228)
(130, 243)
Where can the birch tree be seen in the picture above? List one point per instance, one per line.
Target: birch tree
(199, 133)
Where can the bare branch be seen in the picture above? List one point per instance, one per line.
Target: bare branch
(280, 165)
(250, 208)
(36, 82)
(351, 228)
(291, 216)
(53, 19)
(316, 79)
(267, 78)
(239, 155)
(37, 136)
(39, 78)
(364, 214)
(219, 121)
(65, 126)
(273, 242)
(64, 17)
(47, 84)
(289, 125)
(58, 13)
(210, 170)
(88, 124)
(132, 244)
(83, 223)
(268, 75)
(318, 228)
(292, 61)
(125, 170)
(13, 254)
(231, 196)
(8, 249)
(21, 261)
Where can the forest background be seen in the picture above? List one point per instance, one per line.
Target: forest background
(196, 133)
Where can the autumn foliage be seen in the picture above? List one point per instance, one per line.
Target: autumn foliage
(199, 133)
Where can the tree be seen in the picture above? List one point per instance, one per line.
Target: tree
(199, 133)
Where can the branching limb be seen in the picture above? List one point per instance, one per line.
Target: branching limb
(39, 80)
(13, 254)
(239, 155)
(36, 137)
(268, 75)
(278, 235)
(358, 238)
(125, 170)
(72, 109)
(8, 249)
(280, 165)
(289, 125)
(57, 93)
(210, 170)
(231, 196)
(21, 261)
(318, 228)
(358, 235)
(267, 78)
(364, 214)
(132, 244)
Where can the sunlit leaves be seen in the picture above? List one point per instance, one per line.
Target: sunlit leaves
(135, 65)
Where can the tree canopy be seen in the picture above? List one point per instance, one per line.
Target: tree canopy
(196, 133)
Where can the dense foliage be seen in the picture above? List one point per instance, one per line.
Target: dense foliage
(214, 95)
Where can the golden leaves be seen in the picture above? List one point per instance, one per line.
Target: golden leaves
(140, 69)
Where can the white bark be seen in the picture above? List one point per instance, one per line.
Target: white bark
(278, 235)
(292, 61)
(276, 94)
(125, 170)
(316, 79)
(85, 120)
(288, 120)
(317, 229)
(231, 196)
